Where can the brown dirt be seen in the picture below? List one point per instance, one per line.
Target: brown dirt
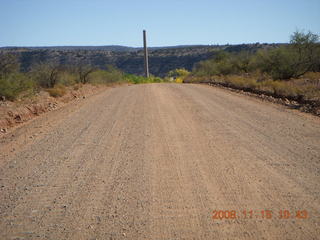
(153, 161)
(15, 113)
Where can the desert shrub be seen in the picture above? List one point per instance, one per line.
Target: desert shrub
(114, 74)
(224, 64)
(14, 84)
(67, 78)
(312, 75)
(179, 72)
(98, 77)
(225, 67)
(178, 75)
(46, 75)
(242, 62)
(57, 91)
(280, 88)
(111, 75)
(308, 86)
(293, 60)
(135, 79)
(84, 71)
(154, 79)
(310, 92)
(205, 68)
(179, 80)
(241, 81)
(277, 63)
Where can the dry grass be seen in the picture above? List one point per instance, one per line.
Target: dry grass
(280, 88)
(308, 86)
(312, 76)
(57, 91)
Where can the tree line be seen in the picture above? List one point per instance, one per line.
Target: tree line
(50, 75)
(285, 62)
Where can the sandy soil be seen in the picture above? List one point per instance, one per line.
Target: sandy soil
(154, 161)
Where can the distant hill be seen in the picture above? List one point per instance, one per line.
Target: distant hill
(128, 59)
(111, 48)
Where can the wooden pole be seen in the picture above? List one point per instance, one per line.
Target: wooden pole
(146, 64)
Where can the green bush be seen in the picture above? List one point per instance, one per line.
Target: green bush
(277, 63)
(67, 78)
(111, 75)
(46, 75)
(293, 60)
(14, 84)
(179, 72)
(205, 68)
(223, 64)
(135, 79)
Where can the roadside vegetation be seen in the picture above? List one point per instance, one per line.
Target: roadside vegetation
(135, 79)
(57, 78)
(290, 70)
(178, 75)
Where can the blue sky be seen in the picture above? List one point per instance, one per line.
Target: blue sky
(168, 22)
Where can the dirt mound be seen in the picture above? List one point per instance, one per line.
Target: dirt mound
(14, 113)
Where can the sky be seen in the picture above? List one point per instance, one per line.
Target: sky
(167, 22)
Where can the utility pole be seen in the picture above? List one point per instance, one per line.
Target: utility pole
(146, 64)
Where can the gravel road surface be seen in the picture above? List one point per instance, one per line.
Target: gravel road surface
(162, 161)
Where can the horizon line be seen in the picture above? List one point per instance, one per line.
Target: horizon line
(115, 45)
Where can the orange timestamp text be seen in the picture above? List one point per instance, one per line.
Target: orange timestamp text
(259, 214)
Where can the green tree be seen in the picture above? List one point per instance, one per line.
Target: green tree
(293, 60)
(306, 48)
(84, 70)
(241, 62)
(13, 84)
(278, 63)
(46, 74)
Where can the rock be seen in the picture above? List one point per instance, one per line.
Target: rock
(286, 101)
(18, 118)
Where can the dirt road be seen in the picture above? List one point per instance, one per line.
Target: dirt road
(154, 161)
